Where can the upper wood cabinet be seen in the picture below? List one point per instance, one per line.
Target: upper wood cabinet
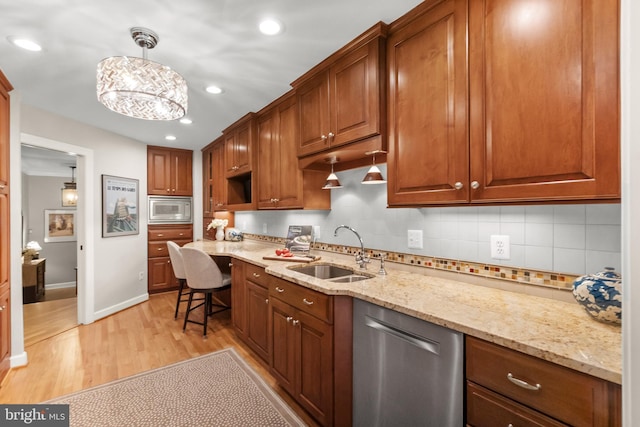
(169, 171)
(542, 118)
(281, 184)
(239, 146)
(341, 100)
(214, 180)
(428, 139)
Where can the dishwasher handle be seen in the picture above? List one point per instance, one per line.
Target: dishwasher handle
(420, 342)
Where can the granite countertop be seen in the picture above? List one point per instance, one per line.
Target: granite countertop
(560, 332)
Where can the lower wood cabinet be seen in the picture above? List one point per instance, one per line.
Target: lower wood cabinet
(159, 268)
(506, 387)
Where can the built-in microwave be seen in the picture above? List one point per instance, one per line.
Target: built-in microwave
(170, 210)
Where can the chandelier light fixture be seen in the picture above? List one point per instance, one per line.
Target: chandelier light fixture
(139, 88)
(374, 176)
(69, 192)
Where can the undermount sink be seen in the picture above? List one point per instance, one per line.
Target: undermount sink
(330, 272)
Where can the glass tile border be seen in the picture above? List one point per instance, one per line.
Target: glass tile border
(520, 275)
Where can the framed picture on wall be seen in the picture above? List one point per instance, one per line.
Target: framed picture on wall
(119, 206)
(59, 225)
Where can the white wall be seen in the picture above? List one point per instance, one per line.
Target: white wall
(117, 260)
(572, 239)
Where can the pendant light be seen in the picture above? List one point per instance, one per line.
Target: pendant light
(139, 88)
(69, 192)
(332, 179)
(374, 176)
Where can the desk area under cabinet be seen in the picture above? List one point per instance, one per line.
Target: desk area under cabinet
(33, 280)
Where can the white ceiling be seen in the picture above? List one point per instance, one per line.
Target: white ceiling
(207, 41)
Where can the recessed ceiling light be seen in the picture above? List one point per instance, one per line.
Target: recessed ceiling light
(170, 138)
(213, 89)
(185, 121)
(270, 27)
(24, 43)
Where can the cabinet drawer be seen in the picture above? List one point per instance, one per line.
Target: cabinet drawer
(256, 274)
(488, 409)
(307, 300)
(159, 249)
(165, 234)
(567, 395)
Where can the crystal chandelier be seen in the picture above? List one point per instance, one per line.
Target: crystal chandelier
(139, 88)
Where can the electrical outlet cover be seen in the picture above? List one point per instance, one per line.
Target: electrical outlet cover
(500, 247)
(414, 239)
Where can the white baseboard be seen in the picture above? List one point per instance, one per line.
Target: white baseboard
(60, 285)
(121, 306)
(18, 360)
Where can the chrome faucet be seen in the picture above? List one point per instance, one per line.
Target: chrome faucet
(361, 258)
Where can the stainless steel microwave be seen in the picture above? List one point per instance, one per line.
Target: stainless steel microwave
(170, 210)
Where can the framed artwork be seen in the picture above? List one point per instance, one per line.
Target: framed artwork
(59, 225)
(119, 206)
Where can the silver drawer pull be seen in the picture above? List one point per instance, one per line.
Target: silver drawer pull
(160, 249)
(279, 289)
(256, 275)
(295, 322)
(306, 301)
(523, 384)
(289, 319)
(160, 235)
(266, 301)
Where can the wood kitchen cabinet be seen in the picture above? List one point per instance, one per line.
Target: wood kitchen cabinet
(214, 185)
(506, 387)
(5, 228)
(239, 152)
(169, 171)
(160, 270)
(250, 313)
(281, 184)
(541, 123)
(341, 100)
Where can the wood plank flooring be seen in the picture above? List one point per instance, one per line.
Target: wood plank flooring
(135, 340)
(45, 319)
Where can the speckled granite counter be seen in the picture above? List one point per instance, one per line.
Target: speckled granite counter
(556, 331)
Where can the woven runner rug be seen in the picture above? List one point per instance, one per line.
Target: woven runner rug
(217, 389)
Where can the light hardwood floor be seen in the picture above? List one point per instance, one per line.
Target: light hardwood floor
(45, 319)
(134, 340)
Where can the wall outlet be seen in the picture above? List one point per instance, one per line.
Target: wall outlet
(316, 232)
(414, 239)
(141, 275)
(500, 247)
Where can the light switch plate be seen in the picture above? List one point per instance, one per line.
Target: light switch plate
(414, 239)
(500, 247)
(316, 232)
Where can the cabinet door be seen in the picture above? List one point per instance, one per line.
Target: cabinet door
(283, 353)
(207, 182)
(313, 102)
(219, 179)
(181, 170)
(269, 155)
(161, 276)
(158, 172)
(355, 95)
(544, 97)
(314, 342)
(238, 298)
(238, 149)
(289, 176)
(428, 143)
(5, 87)
(5, 330)
(258, 319)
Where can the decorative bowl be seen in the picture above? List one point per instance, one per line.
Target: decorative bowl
(600, 294)
(233, 235)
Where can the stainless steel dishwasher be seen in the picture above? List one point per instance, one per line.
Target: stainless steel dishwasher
(406, 372)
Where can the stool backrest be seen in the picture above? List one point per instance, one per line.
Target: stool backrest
(176, 260)
(202, 271)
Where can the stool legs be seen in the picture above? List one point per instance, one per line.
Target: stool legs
(182, 283)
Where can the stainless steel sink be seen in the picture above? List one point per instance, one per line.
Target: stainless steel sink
(323, 271)
(331, 272)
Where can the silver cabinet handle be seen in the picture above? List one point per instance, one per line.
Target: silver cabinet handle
(279, 289)
(458, 185)
(475, 185)
(331, 135)
(3, 308)
(182, 234)
(289, 319)
(323, 137)
(306, 301)
(523, 384)
(256, 275)
(296, 322)
(266, 301)
(160, 235)
(2, 186)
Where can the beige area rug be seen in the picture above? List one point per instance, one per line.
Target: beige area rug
(217, 389)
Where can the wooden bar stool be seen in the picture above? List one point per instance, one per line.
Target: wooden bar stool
(203, 276)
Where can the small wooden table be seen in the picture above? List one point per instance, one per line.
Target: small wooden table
(33, 280)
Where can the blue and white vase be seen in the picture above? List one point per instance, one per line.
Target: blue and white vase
(600, 294)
